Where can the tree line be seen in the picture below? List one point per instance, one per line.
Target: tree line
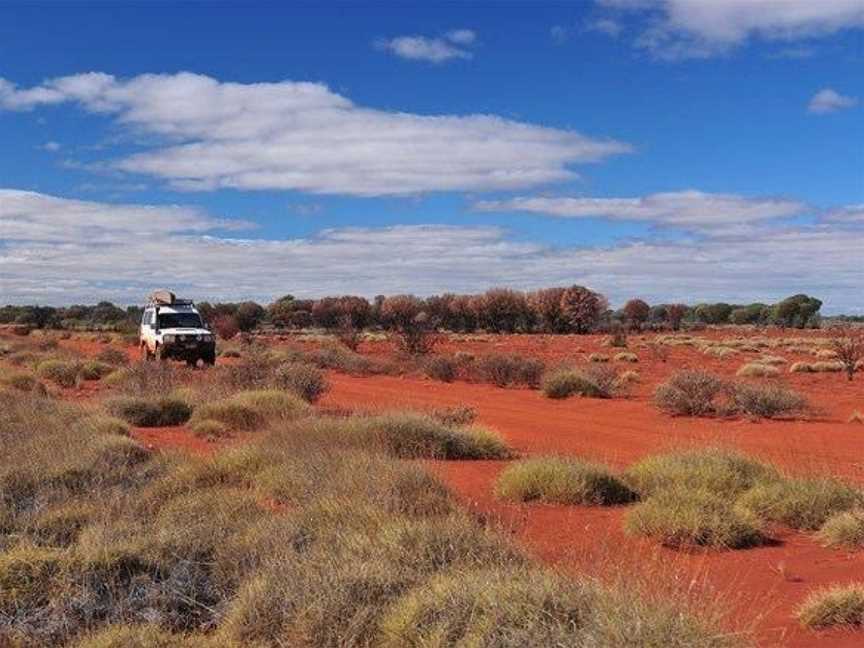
(574, 309)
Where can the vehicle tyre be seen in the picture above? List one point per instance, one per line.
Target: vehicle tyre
(209, 359)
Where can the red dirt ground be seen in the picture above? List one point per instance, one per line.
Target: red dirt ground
(761, 586)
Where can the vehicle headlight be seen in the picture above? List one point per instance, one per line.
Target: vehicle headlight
(169, 338)
(208, 338)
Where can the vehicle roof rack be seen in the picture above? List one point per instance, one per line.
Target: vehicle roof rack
(167, 298)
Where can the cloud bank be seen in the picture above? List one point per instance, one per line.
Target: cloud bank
(829, 101)
(303, 136)
(676, 29)
(60, 251)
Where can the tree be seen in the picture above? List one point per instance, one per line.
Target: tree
(249, 315)
(548, 313)
(502, 310)
(582, 307)
(713, 313)
(848, 343)
(413, 328)
(225, 326)
(636, 312)
(675, 314)
(281, 310)
(796, 311)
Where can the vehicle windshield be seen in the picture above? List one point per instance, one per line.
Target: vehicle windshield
(180, 320)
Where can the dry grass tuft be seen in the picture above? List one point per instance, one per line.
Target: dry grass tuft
(844, 529)
(758, 370)
(559, 480)
(835, 606)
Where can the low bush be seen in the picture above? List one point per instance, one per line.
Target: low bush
(303, 379)
(771, 360)
(22, 358)
(827, 354)
(440, 368)
(146, 378)
(95, 370)
(714, 470)
(20, 381)
(689, 393)
(801, 503)
(454, 416)
(686, 517)
(342, 359)
(844, 529)
(855, 417)
(842, 605)
(801, 367)
(148, 635)
(628, 377)
(626, 356)
(62, 372)
(757, 370)
(144, 412)
(559, 480)
(598, 357)
(504, 370)
(415, 436)
(767, 401)
(114, 357)
(719, 351)
(594, 382)
(250, 410)
(209, 429)
(827, 367)
(108, 425)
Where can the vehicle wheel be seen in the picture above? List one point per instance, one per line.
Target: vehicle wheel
(192, 362)
(209, 359)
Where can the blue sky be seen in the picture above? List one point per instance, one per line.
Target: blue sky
(668, 149)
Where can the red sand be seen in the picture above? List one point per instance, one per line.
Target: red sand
(761, 586)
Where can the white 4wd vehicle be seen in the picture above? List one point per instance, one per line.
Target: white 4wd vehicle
(173, 328)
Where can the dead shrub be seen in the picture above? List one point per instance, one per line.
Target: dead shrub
(504, 370)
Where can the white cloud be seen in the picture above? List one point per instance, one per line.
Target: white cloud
(60, 251)
(455, 44)
(700, 28)
(462, 36)
(828, 101)
(50, 146)
(303, 136)
(689, 210)
(606, 26)
(848, 214)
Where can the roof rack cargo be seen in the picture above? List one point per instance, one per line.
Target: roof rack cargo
(164, 297)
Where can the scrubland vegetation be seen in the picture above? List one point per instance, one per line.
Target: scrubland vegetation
(315, 533)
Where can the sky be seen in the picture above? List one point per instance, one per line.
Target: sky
(673, 150)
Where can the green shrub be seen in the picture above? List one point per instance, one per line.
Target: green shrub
(413, 436)
(144, 412)
(235, 416)
(594, 382)
(835, 606)
(249, 410)
(94, 370)
(61, 372)
(303, 379)
(843, 529)
(766, 401)
(801, 503)
(440, 368)
(685, 517)
(505, 370)
(689, 393)
(272, 403)
(717, 471)
(562, 481)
